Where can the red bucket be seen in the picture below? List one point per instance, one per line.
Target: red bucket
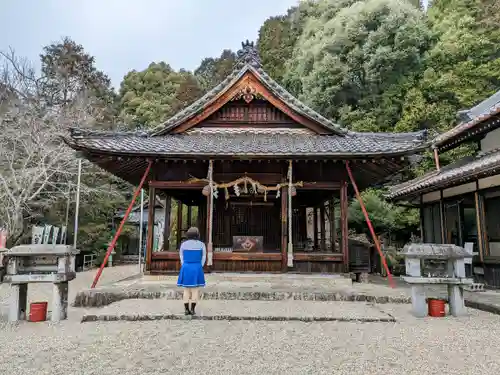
(437, 307)
(38, 311)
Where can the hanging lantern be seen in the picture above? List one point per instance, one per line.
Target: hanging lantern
(206, 191)
(293, 191)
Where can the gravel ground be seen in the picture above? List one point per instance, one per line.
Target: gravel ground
(460, 346)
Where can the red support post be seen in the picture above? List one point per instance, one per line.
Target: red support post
(124, 220)
(370, 226)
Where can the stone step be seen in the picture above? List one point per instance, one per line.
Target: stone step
(104, 297)
(140, 310)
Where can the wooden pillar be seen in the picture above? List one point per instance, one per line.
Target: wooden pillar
(422, 223)
(179, 224)
(166, 229)
(344, 205)
(442, 219)
(284, 239)
(333, 233)
(322, 226)
(151, 221)
(315, 227)
(436, 159)
(482, 235)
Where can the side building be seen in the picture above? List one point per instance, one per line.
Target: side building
(460, 202)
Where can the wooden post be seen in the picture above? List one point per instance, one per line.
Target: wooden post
(482, 237)
(333, 233)
(442, 219)
(344, 205)
(151, 222)
(284, 240)
(179, 224)
(436, 159)
(315, 226)
(166, 227)
(322, 225)
(422, 223)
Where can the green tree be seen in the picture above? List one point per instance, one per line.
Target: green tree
(213, 71)
(153, 95)
(387, 218)
(355, 60)
(68, 73)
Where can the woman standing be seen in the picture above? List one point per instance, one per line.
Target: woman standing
(193, 254)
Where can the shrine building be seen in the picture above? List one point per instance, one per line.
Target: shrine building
(263, 176)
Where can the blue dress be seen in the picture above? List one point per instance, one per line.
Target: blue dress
(192, 254)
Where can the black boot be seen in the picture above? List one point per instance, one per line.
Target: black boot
(186, 309)
(193, 305)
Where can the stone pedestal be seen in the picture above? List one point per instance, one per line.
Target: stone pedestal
(456, 300)
(18, 302)
(59, 302)
(418, 303)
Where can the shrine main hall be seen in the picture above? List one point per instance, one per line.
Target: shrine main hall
(265, 178)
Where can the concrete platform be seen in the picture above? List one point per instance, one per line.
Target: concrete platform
(141, 310)
(255, 287)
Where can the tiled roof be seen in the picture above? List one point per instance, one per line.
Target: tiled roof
(249, 144)
(248, 62)
(471, 118)
(465, 169)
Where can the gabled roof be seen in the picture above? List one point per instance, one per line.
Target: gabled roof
(470, 120)
(247, 64)
(466, 169)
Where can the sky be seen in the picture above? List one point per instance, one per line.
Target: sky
(129, 34)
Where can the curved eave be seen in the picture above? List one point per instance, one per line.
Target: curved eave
(465, 131)
(484, 166)
(231, 155)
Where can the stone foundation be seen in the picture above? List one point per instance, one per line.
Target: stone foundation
(99, 298)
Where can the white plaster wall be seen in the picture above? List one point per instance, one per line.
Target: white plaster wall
(491, 140)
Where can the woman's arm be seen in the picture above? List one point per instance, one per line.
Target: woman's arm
(181, 254)
(204, 256)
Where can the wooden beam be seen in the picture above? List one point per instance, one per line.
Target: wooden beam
(319, 186)
(315, 257)
(150, 233)
(248, 256)
(436, 159)
(177, 185)
(344, 205)
(166, 228)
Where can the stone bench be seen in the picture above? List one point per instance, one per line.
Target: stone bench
(455, 279)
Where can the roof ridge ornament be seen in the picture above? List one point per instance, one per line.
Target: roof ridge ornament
(248, 54)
